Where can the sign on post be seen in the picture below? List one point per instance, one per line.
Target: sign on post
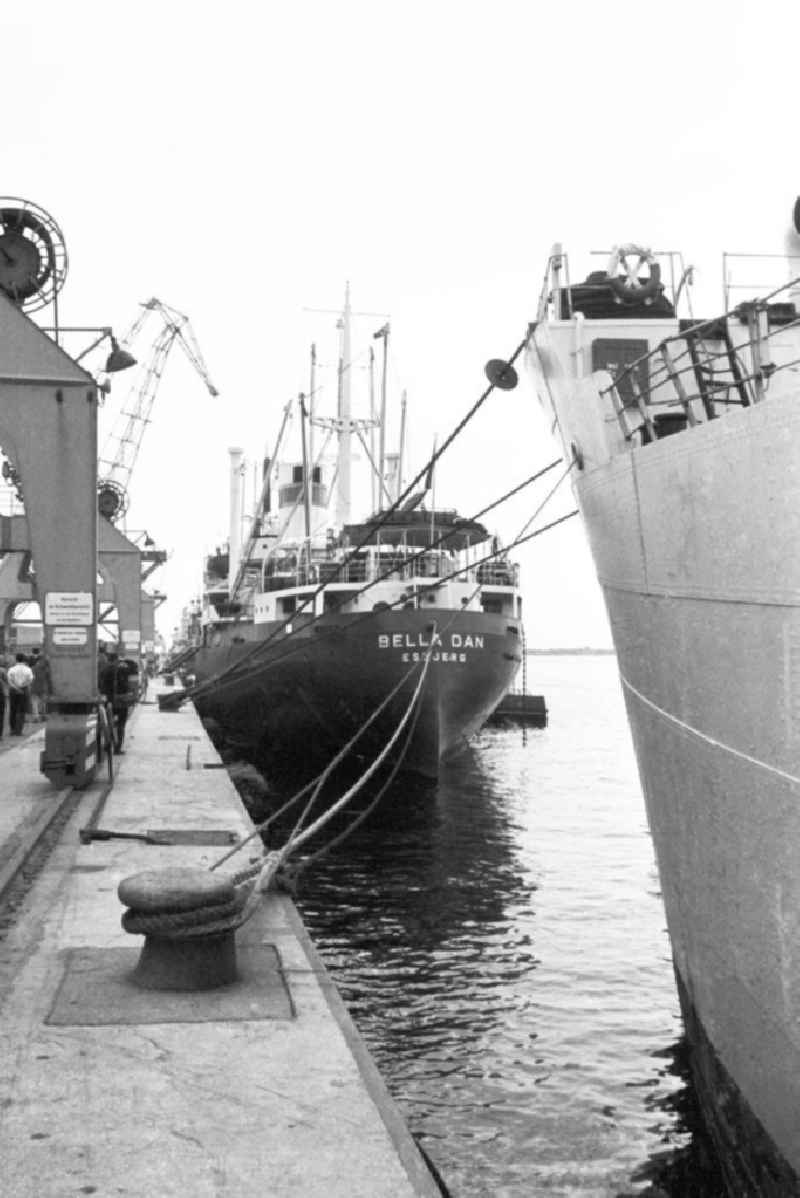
(69, 608)
(69, 636)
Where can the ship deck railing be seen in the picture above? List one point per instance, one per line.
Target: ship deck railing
(359, 571)
(557, 288)
(692, 377)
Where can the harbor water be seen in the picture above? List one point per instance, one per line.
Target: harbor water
(500, 941)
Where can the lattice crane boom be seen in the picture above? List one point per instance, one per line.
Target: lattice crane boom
(122, 446)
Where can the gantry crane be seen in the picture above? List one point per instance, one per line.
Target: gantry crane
(122, 446)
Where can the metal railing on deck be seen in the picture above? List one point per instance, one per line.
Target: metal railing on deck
(754, 273)
(425, 570)
(498, 573)
(692, 374)
(557, 287)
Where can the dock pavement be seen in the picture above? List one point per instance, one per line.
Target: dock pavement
(263, 1087)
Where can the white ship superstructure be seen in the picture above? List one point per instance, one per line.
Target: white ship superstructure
(685, 436)
(313, 623)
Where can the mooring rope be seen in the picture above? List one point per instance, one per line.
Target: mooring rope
(321, 777)
(277, 857)
(201, 920)
(250, 884)
(246, 666)
(383, 518)
(307, 862)
(207, 919)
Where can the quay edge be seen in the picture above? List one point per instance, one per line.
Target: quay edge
(239, 1091)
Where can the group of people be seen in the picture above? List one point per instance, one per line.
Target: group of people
(24, 688)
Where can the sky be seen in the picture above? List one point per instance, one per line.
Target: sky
(241, 162)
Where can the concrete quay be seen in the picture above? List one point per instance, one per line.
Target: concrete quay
(260, 1088)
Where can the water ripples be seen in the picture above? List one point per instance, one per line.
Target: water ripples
(499, 940)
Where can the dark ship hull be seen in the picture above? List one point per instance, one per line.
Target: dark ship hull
(296, 699)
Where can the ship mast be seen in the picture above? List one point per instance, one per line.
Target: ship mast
(345, 429)
(402, 450)
(312, 400)
(383, 334)
(372, 479)
(236, 516)
(306, 475)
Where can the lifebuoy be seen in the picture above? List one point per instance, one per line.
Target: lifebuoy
(628, 288)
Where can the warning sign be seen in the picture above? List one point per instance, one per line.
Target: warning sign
(69, 636)
(75, 608)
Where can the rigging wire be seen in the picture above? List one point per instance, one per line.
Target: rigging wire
(269, 865)
(298, 644)
(322, 777)
(547, 497)
(341, 802)
(298, 838)
(383, 518)
(239, 670)
(300, 824)
(307, 862)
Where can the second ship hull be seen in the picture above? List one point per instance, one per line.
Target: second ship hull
(696, 542)
(296, 700)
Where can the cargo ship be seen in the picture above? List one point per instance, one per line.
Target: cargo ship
(311, 620)
(684, 435)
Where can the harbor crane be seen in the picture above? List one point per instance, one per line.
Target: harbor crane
(122, 446)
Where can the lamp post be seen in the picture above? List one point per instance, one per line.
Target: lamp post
(118, 359)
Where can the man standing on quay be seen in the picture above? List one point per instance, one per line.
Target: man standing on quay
(20, 677)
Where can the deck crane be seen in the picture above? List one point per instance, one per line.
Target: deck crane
(122, 446)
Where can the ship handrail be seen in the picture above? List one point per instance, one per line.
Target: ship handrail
(694, 330)
(658, 368)
(557, 260)
(554, 289)
(505, 575)
(750, 285)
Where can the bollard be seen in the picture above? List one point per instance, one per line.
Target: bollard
(188, 918)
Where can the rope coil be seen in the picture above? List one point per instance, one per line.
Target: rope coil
(183, 925)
